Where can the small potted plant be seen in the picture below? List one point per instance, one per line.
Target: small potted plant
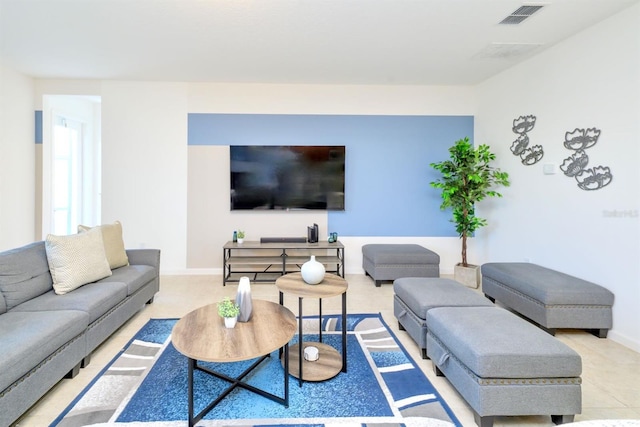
(240, 236)
(229, 310)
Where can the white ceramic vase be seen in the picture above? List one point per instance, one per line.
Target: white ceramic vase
(312, 271)
(243, 299)
(230, 322)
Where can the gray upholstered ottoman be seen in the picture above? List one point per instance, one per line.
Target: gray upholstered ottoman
(548, 297)
(502, 365)
(386, 262)
(414, 296)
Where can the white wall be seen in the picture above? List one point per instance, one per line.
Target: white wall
(205, 242)
(144, 149)
(330, 99)
(144, 160)
(144, 154)
(590, 80)
(17, 159)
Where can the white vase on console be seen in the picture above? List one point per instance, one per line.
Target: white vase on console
(312, 271)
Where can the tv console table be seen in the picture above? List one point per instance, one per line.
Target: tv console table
(266, 262)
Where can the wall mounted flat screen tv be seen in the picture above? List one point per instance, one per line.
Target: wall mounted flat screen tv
(287, 177)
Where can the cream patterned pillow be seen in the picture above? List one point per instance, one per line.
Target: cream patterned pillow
(76, 260)
(113, 243)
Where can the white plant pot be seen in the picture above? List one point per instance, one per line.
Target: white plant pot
(468, 276)
(230, 322)
(240, 240)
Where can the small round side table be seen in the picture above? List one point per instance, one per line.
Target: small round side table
(330, 362)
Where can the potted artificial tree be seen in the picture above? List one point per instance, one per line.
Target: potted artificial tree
(467, 178)
(229, 310)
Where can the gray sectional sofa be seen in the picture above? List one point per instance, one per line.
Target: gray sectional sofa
(45, 336)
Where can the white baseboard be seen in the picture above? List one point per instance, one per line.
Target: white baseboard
(624, 340)
(193, 272)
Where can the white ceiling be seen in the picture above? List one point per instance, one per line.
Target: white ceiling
(432, 42)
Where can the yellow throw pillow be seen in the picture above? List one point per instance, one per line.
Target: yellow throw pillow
(76, 260)
(113, 243)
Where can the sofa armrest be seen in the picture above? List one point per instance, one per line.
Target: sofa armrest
(145, 257)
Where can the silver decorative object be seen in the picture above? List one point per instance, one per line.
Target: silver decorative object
(243, 299)
(575, 166)
(532, 155)
(520, 147)
(523, 124)
(581, 139)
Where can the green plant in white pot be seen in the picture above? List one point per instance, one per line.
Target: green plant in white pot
(467, 178)
(229, 310)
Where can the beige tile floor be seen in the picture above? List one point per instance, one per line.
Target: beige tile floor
(611, 372)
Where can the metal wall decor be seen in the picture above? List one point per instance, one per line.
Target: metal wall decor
(575, 166)
(520, 147)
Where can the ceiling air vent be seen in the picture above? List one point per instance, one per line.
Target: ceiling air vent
(520, 14)
(506, 50)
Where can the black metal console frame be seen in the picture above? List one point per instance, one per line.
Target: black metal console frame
(288, 259)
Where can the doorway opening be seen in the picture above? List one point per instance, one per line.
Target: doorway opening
(71, 188)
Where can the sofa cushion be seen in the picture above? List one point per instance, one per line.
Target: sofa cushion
(548, 286)
(421, 294)
(76, 260)
(134, 276)
(28, 338)
(495, 343)
(95, 299)
(24, 274)
(113, 243)
(399, 254)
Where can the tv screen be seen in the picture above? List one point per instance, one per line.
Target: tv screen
(287, 177)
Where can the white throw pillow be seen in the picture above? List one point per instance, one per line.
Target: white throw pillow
(76, 260)
(113, 243)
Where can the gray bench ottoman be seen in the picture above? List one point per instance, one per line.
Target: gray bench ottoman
(548, 297)
(386, 262)
(502, 365)
(414, 296)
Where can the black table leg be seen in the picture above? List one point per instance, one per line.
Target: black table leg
(286, 375)
(300, 342)
(320, 318)
(344, 332)
(191, 366)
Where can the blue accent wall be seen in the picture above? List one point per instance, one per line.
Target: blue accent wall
(387, 162)
(38, 122)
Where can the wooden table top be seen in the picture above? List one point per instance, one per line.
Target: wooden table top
(330, 286)
(201, 334)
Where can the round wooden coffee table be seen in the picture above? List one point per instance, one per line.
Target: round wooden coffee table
(330, 361)
(201, 335)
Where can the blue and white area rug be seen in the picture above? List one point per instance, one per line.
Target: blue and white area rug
(146, 385)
